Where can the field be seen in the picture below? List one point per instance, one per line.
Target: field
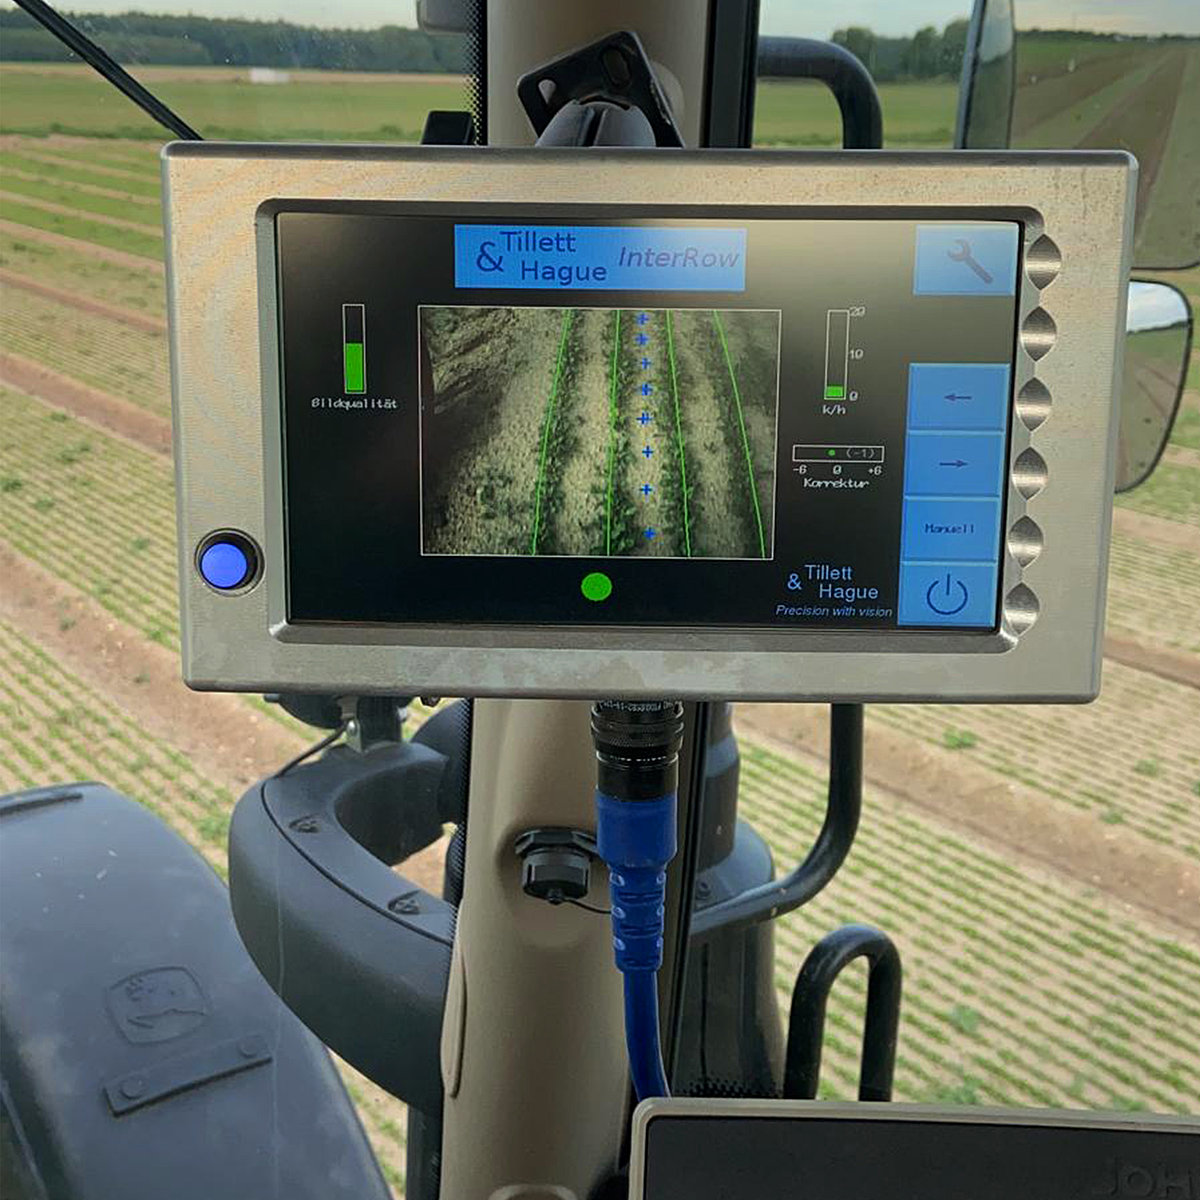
(599, 432)
(1038, 867)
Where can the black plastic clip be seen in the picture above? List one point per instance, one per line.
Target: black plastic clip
(613, 70)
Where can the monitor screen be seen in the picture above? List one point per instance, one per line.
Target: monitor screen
(740, 419)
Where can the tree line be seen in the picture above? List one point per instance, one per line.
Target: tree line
(926, 54)
(137, 38)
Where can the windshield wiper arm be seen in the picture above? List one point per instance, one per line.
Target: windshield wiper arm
(100, 60)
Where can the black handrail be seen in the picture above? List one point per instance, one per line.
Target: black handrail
(846, 77)
(806, 1025)
(779, 896)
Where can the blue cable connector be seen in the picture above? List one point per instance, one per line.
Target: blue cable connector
(636, 839)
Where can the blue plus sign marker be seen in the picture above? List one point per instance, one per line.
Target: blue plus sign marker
(642, 318)
(645, 363)
(646, 489)
(648, 452)
(642, 339)
(651, 534)
(646, 389)
(645, 418)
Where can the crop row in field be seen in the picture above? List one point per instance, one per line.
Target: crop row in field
(1131, 758)
(123, 553)
(1155, 605)
(1173, 492)
(1019, 989)
(146, 245)
(53, 165)
(87, 198)
(55, 729)
(125, 362)
(93, 510)
(98, 513)
(81, 273)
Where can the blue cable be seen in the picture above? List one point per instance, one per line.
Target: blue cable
(636, 839)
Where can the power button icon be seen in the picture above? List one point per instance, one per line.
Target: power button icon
(947, 595)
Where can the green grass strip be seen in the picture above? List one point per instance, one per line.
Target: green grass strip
(612, 432)
(546, 427)
(687, 522)
(737, 400)
(147, 245)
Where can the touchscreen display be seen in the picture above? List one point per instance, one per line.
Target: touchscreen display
(739, 421)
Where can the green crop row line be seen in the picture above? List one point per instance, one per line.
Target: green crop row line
(72, 196)
(547, 426)
(68, 170)
(139, 162)
(612, 430)
(145, 245)
(687, 523)
(737, 400)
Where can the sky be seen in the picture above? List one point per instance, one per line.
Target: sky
(798, 18)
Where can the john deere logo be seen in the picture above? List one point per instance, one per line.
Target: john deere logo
(1147, 1181)
(157, 1005)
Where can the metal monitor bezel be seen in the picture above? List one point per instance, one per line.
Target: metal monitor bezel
(1076, 210)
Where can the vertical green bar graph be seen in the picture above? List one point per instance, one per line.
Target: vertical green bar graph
(354, 348)
(837, 353)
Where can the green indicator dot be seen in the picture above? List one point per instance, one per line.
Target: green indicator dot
(831, 453)
(596, 586)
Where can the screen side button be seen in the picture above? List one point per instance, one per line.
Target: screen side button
(962, 594)
(949, 396)
(949, 529)
(953, 464)
(966, 260)
(227, 561)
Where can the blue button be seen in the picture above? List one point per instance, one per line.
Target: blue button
(947, 594)
(224, 565)
(951, 530)
(953, 464)
(958, 395)
(966, 260)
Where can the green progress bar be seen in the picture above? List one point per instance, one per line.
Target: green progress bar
(835, 393)
(353, 362)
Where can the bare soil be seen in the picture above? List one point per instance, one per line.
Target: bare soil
(1162, 661)
(89, 404)
(492, 375)
(1150, 528)
(125, 316)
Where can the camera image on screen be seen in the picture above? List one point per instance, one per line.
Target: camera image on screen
(598, 431)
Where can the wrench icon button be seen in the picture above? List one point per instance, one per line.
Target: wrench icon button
(963, 255)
